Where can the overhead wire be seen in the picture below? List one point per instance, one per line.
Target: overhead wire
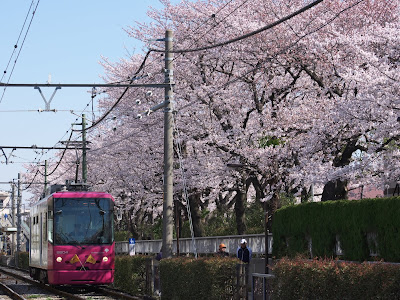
(29, 185)
(283, 50)
(16, 44)
(20, 49)
(61, 158)
(212, 17)
(121, 96)
(185, 189)
(245, 36)
(141, 67)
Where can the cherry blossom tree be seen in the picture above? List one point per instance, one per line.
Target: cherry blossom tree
(313, 100)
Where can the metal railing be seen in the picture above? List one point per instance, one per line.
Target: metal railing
(260, 286)
(204, 245)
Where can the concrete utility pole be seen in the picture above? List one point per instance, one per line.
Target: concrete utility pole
(84, 163)
(12, 216)
(19, 197)
(45, 177)
(168, 149)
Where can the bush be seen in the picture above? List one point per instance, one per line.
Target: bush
(130, 274)
(328, 279)
(122, 236)
(351, 221)
(203, 278)
(23, 260)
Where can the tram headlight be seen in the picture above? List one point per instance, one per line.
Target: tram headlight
(59, 259)
(105, 258)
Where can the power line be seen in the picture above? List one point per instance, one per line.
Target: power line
(16, 44)
(62, 156)
(205, 22)
(37, 147)
(20, 49)
(122, 95)
(40, 111)
(239, 38)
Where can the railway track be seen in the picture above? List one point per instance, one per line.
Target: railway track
(16, 284)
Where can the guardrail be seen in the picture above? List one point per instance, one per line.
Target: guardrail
(204, 245)
(261, 290)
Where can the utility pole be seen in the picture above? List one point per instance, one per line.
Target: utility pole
(168, 149)
(18, 219)
(12, 216)
(45, 177)
(84, 164)
(266, 235)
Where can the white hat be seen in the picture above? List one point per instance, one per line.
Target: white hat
(243, 241)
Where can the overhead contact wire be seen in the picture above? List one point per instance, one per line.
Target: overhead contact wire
(242, 37)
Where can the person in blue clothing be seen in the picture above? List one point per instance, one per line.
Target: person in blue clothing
(244, 252)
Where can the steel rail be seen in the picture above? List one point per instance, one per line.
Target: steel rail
(103, 290)
(13, 295)
(119, 295)
(43, 286)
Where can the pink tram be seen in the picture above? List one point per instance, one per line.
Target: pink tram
(72, 239)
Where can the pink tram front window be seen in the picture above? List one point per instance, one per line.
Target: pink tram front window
(83, 221)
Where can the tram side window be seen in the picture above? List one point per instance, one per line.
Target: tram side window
(50, 227)
(50, 222)
(45, 228)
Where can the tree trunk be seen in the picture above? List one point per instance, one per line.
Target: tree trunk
(335, 190)
(194, 201)
(240, 209)
(271, 207)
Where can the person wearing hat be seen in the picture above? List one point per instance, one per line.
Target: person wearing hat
(222, 251)
(244, 252)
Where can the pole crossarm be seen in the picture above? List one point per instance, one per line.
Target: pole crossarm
(10, 182)
(47, 103)
(85, 85)
(41, 148)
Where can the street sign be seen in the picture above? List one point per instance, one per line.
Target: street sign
(132, 246)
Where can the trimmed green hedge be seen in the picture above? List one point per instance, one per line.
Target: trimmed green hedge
(203, 278)
(23, 260)
(130, 274)
(299, 279)
(351, 221)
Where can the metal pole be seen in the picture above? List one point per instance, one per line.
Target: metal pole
(84, 165)
(266, 237)
(45, 177)
(12, 216)
(168, 149)
(177, 227)
(18, 218)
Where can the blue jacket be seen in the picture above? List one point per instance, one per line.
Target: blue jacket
(244, 254)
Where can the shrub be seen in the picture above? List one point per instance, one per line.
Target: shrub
(351, 221)
(23, 260)
(203, 278)
(122, 236)
(329, 279)
(130, 274)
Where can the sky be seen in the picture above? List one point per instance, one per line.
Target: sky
(65, 42)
